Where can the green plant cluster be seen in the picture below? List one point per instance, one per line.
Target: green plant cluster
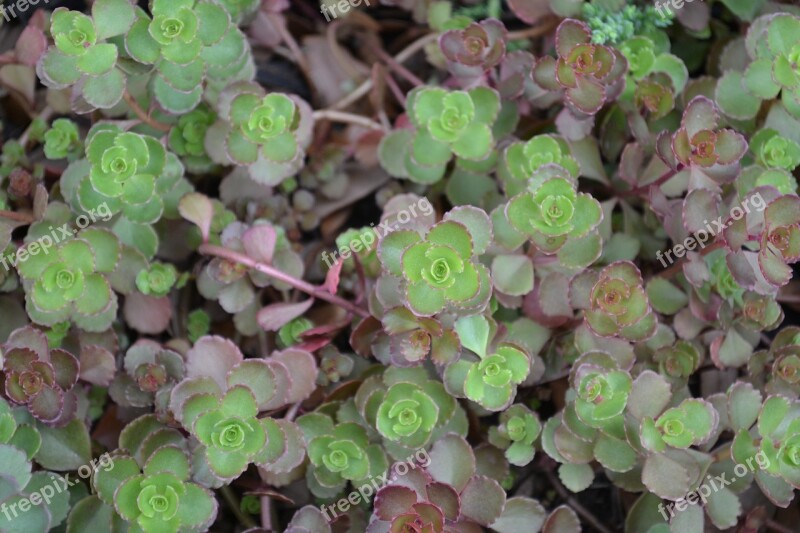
(565, 236)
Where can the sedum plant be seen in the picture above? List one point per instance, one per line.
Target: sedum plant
(433, 267)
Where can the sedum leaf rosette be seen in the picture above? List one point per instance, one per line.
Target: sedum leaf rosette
(267, 133)
(552, 214)
(541, 156)
(619, 304)
(780, 239)
(70, 283)
(231, 433)
(775, 438)
(590, 74)
(439, 269)
(774, 70)
(457, 122)
(408, 414)
(445, 123)
(775, 151)
(700, 143)
(408, 409)
(679, 361)
(602, 390)
(187, 138)
(690, 424)
(338, 454)
(75, 35)
(62, 140)
(158, 497)
(519, 427)
(492, 382)
(475, 49)
(81, 58)
(157, 280)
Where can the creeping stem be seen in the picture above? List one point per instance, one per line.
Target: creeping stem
(312, 290)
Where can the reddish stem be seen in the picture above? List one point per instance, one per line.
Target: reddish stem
(25, 218)
(647, 186)
(316, 292)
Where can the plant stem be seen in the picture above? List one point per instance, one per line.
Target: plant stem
(18, 217)
(400, 69)
(312, 290)
(365, 87)
(233, 503)
(142, 114)
(45, 115)
(422, 42)
(647, 186)
(266, 513)
(572, 502)
(346, 118)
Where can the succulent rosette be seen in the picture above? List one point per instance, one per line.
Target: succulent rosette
(590, 74)
(157, 280)
(195, 48)
(338, 454)
(699, 142)
(602, 390)
(619, 304)
(82, 58)
(519, 427)
(475, 49)
(778, 430)
(541, 156)
(558, 219)
(723, 280)
(554, 210)
(775, 151)
(775, 50)
(187, 138)
(678, 361)
(492, 381)
(232, 435)
(267, 133)
(62, 140)
(151, 370)
(689, 424)
(75, 35)
(408, 409)
(439, 269)
(127, 174)
(70, 283)
(159, 496)
(175, 27)
(780, 239)
(445, 123)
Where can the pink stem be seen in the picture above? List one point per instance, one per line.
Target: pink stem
(316, 292)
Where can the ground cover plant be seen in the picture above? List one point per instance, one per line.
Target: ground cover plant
(400, 266)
